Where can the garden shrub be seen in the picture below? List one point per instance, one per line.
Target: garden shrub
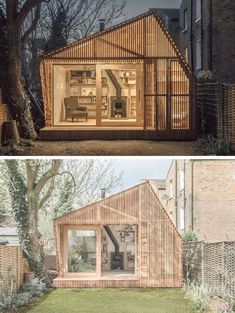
(22, 299)
(189, 236)
(211, 145)
(206, 77)
(199, 294)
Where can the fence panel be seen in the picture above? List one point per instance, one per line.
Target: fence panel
(216, 111)
(12, 268)
(212, 264)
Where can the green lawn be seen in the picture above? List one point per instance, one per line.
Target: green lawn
(115, 301)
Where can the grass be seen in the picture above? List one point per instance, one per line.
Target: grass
(115, 301)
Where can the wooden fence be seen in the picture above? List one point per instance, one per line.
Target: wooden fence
(211, 264)
(216, 111)
(13, 265)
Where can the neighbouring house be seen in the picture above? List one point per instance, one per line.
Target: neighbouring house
(125, 82)
(9, 235)
(201, 197)
(124, 240)
(207, 36)
(171, 20)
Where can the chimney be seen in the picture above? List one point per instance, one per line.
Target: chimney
(103, 193)
(102, 24)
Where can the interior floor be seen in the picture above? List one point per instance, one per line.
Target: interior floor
(92, 122)
(106, 275)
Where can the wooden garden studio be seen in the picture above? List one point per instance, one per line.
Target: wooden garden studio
(127, 82)
(124, 240)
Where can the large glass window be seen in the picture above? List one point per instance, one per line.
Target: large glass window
(81, 251)
(118, 101)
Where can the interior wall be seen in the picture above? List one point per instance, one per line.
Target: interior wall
(60, 89)
(123, 245)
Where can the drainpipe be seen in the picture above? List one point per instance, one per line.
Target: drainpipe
(176, 196)
(184, 193)
(202, 36)
(210, 36)
(191, 36)
(192, 195)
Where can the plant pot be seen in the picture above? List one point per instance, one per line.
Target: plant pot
(29, 277)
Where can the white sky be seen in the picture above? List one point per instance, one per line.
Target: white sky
(138, 169)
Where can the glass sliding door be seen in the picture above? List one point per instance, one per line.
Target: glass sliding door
(117, 95)
(82, 251)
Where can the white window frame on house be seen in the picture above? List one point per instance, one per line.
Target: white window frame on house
(186, 56)
(171, 189)
(182, 219)
(198, 54)
(198, 10)
(185, 20)
(181, 180)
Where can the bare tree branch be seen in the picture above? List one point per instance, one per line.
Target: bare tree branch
(33, 26)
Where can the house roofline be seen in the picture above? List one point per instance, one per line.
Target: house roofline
(151, 12)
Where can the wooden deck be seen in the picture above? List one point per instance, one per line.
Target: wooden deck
(111, 133)
(119, 279)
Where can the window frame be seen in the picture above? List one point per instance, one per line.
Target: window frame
(182, 218)
(198, 54)
(97, 229)
(182, 180)
(185, 20)
(198, 11)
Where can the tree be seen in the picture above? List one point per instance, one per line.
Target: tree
(30, 185)
(80, 17)
(40, 190)
(72, 192)
(57, 37)
(13, 16)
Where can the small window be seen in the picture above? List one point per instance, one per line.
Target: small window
(198, 10)
(185, 19)
(171, 189)
(182, 220)
(181, 180)
(198, 54)
(186, 54)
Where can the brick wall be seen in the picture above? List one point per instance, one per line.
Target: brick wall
(208, 197)
(215, 30)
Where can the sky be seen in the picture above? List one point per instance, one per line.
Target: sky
(135, 7)
(134, 170)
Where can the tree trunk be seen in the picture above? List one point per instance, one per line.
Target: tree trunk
(35, 246)
(17, 99)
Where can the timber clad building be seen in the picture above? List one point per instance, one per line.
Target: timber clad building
(125, 240)
(126, 82)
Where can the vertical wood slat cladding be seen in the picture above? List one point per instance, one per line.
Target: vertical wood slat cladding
(166, 93)
(159, 245)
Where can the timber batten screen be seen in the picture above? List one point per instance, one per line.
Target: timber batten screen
(128, 77)
(150, 246)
